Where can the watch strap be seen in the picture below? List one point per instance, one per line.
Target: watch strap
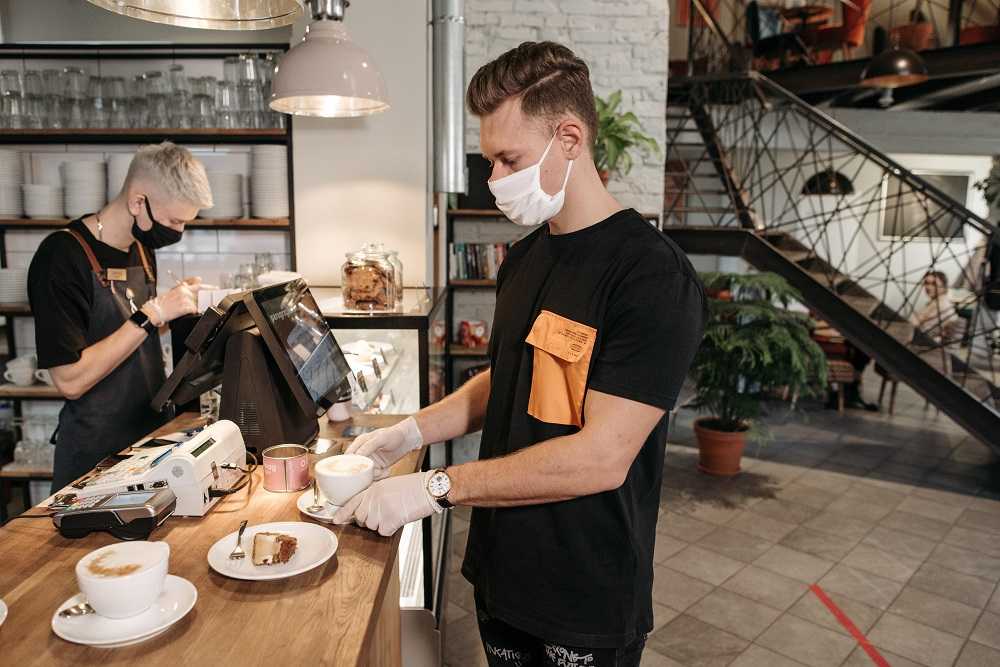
(142, 320)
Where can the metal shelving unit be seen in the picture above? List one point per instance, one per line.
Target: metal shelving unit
(17, 56)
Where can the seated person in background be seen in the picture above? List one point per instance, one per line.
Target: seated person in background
(939, 316)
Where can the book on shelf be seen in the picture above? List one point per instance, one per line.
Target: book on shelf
(475, 261)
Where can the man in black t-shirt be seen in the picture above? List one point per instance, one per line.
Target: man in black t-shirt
(92, 287)
(598, 317)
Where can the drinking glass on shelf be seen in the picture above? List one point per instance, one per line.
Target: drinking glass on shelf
(245, 278)
(74, 83)
(52, 84)
(156, 84)
(74, 113)
(231, 69)
(97, 113)
(138, 105)
(262, 263)
(34, 98)
(202, 111)
(116, 102)
(11, 82)
(12, 111)
(226, 107)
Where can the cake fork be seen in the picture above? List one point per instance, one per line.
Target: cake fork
(238, 553)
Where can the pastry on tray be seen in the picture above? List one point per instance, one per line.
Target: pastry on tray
(273, 548)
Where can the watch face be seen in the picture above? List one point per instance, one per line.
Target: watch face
(439, 485)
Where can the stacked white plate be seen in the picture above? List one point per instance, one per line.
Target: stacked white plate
(43, 201)
(118, 164)
(86, 186)
(11, 177)
(13, 285)
(269, 182)
(227, 195)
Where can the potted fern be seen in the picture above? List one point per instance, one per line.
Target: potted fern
(753, 346)
(618, 133)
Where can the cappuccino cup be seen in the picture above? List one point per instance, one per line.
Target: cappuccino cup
(22, 376)
(343, 476)
(123, 579)
(43, 375)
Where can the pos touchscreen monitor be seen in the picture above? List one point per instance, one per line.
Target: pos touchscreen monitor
(275, 357)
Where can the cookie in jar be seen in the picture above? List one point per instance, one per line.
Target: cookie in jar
(368, 282)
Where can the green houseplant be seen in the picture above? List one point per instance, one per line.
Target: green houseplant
(618, 133)
(753, 347)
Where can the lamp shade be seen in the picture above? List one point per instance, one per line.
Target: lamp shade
(828, 182)
(328, 75)
(894, 68)
(210, 14)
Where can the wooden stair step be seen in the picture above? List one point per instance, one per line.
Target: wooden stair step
(865, 305)
(901, 331)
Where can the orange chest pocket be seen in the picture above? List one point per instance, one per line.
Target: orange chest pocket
(561, 361)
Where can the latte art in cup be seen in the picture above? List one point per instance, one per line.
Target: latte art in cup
(122, 580)
(347, 467)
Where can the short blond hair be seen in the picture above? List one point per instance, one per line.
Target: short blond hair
(174, 170)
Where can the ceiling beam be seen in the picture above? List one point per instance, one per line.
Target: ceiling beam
(955, 61)
(935, 97)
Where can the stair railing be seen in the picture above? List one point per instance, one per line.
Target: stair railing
(852, 216)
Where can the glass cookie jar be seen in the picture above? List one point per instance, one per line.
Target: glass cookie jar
(368, 280)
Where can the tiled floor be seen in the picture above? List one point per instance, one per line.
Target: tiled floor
(896, 519)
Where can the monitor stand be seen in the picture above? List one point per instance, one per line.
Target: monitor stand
(256, 397)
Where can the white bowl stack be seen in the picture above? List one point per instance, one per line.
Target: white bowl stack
(269, 182)
(13, 285)
(11, 177)
(227, 195)
(86, 185)
(118, 164)
(43, 201)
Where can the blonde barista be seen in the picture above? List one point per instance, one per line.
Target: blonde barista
(92, 287)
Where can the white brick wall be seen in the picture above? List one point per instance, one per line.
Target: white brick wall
(623, 42)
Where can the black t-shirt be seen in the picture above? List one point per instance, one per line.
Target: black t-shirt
(615, 307)
(61, 291)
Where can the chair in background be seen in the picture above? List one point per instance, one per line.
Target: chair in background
(768, 43)
(840, 374)
(846, 37)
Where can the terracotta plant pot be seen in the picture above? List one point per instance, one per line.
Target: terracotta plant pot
(719, 451)
(605, 176)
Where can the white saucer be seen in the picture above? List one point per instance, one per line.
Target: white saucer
(176, 600)
(325, 515)
(316, 545)
(3, 611)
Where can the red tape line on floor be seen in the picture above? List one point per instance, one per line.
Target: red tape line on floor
(850, 627)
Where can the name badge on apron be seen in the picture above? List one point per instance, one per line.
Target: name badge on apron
(117, 274)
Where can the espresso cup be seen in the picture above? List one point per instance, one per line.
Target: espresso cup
(22, 376)
(123, 579)
(24, 361)
(343, 476)
(43, 375)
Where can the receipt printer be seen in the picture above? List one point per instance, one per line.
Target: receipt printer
(198, 468)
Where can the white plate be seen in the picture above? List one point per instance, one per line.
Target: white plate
(176, 600)
(316, 546)
(306, 500)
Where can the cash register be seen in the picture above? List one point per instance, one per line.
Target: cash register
(278, 363)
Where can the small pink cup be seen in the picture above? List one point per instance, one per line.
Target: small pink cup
(286, 468)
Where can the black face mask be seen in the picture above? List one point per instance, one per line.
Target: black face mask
(158, 236)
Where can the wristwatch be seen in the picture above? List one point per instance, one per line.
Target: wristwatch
(439, 486)
(141, 320)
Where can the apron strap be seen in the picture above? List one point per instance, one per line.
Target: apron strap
(150, 277)
(95, 266)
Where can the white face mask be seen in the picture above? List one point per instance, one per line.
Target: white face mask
(520, 196)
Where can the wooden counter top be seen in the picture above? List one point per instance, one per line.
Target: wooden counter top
(328, 616)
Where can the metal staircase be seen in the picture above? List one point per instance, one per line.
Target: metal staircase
(753, 171)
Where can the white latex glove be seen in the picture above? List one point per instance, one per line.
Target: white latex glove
(390, 504)
(181, 300)
(387, 445)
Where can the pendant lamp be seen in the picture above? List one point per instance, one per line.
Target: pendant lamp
(210, 14)
(895, 67)
(828, 182)
(327, 74)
